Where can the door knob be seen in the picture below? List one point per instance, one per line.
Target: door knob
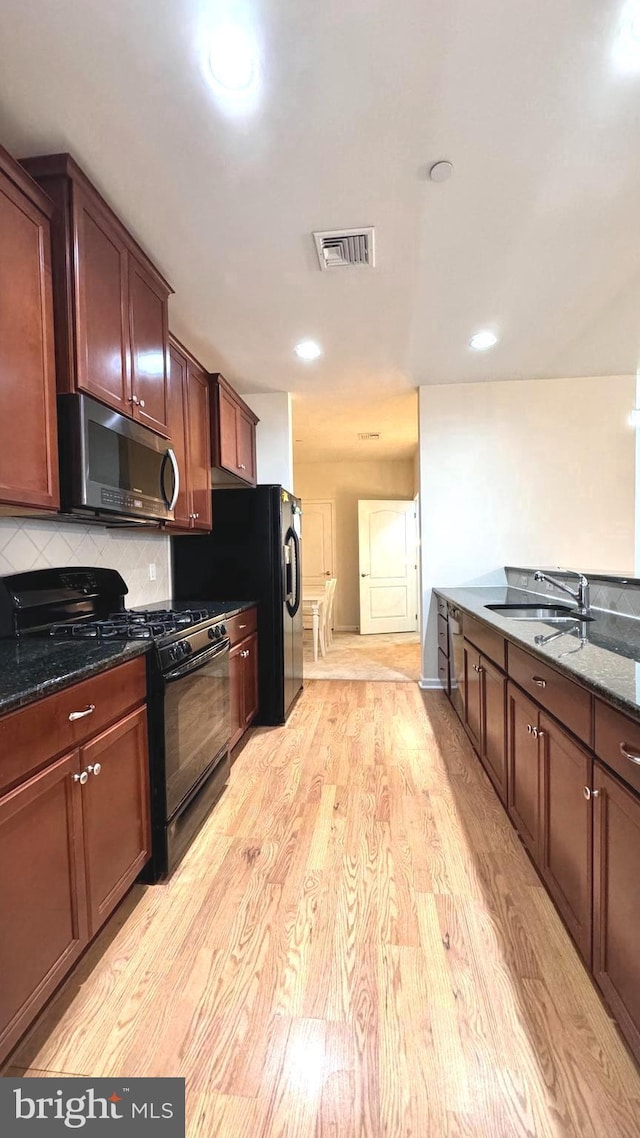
(364, 574)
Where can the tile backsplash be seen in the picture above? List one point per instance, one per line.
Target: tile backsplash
(29, 543)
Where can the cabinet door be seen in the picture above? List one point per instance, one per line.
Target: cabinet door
(116, 813)
(250, 679)
(567, 830)
(177, 420)
(28, 457)
(102, 321)
(494, 749)
(42, 897)
(246, 446)
(227, 431)
(523, 762)
(199, 434)
(473, 693)
(149, 348)
(616, 960)
(236, 675)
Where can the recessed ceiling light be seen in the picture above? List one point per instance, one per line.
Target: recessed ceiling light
(233, 58)
(626, 47)
(483, 340)
(308, 350)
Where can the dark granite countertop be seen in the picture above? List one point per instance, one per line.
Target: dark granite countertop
(602, 654)
(37, 666)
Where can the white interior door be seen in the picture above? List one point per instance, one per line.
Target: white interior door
(388, 569)
(319, 542)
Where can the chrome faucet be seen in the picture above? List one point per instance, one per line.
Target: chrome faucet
(579, 595)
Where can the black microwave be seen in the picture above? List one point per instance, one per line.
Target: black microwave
(113, 469)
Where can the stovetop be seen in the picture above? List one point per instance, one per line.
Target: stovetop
(134, 624)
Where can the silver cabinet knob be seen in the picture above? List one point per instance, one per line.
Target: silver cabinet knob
(537, 732)
(242, 466)
(82, 714)
(141, 402)
(95, 768)
(538, 682)
(81, 778)
(588, 793)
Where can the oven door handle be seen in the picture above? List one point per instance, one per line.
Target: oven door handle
(199, 661)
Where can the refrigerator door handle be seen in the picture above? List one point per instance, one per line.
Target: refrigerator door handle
(293, 574)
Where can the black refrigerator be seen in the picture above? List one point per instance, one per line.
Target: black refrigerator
(253, 553)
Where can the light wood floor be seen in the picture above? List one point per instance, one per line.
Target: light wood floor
(355, 945)
(390, 656)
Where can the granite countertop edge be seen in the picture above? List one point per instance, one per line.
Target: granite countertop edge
(37, 667)
(600, 685)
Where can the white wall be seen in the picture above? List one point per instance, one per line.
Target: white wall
(44, 543)
(345, 483)
(274, 437)
(531, 472)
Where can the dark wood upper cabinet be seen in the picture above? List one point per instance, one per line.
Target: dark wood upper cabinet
(28, 435)
(149, 347)
(189, 425)
(616, 960)
(110, 301)
(101, 305)
(199, 434)
(42, 889)
(567, 830)
(233, 436)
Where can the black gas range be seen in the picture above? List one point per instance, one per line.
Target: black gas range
(189, 698)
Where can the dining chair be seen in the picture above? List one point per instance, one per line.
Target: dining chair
(330, 588)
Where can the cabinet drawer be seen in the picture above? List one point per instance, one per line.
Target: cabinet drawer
(443, 671)
(490, 642)
(443, 607)
(32, 736)
(242, 625)
(569, 703)
(443, 636)
(615, 731)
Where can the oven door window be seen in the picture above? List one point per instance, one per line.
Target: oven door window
(197, 718)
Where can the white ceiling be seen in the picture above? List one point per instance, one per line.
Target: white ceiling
(537, 235)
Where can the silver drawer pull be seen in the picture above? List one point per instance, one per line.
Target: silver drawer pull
(81, 714)
(633, 756)
(81, 778)
(538, 682)
(95, 768)
(242, 626)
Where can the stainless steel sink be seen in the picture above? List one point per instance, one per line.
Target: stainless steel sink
(555, 613)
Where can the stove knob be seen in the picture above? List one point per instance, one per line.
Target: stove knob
(186, 648)
(223, 631)
(174, 652)
(212, 633)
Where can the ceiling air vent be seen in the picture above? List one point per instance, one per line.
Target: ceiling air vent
(368, 436)
(343, 247)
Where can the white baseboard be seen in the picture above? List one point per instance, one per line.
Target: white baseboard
(430, 685)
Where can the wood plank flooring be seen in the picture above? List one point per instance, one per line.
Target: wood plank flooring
(356, 945)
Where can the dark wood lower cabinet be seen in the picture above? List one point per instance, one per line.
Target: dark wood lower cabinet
(42, 892)
(243, 668)
(616, 959)
(567, 829)
(494, 748)
(473, 693)
(73, 835)
(116, 813)
(524, 769)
